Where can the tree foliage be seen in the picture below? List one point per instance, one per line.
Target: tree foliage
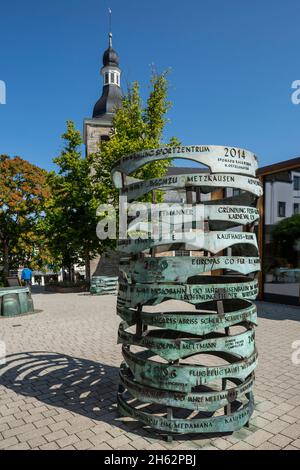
(83, 183)
(71, 210)
(135, 127)
(23, 192)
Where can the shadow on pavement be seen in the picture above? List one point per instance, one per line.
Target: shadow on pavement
(78, 385)
(40, 290)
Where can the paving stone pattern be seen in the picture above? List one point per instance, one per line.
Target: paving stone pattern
(58, 386)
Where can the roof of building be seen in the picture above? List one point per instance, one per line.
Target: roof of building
(110, 99)
(284, 165)
(110, 57)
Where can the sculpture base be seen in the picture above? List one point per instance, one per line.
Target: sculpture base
(165, 421)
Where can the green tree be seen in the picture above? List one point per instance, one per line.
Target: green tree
(135, 127)
(23, 193)
(71, 211)
(83, 183)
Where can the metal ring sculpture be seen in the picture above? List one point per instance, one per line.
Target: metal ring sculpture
(101, 285)
(191, 371)
(15, 301)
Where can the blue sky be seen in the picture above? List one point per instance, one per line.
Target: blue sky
(232, 63)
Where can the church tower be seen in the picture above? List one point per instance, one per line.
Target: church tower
(98, 128)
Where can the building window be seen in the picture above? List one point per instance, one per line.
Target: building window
(296, 183)
(281, 209)
(182, 253)
(296, 208)
(104, 138)
(106, 79)
(112, 78)
(236, 192)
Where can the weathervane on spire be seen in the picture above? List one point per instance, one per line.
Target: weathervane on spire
(110, 33)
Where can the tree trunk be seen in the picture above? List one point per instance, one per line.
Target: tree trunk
(87, 268)
(5, 258)
(70, 268)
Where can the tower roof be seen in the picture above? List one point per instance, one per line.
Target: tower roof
(111, 97)
(110, 57)
(110, 100)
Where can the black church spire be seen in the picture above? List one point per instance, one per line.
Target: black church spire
(111, 97)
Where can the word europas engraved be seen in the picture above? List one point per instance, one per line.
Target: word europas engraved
(179, 269)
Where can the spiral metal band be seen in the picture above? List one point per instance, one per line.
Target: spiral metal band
(218, 424)
(153, 294)
(184, 376)
(208, 401)
(175, 269)
(214, 242)
(219, 159)
(205, 181)
(189, 322)
(172, 347)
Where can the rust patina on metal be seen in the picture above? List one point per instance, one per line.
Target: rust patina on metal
(206, 401)
(183, 376)
(198, 323)
(179, 269)
(101, 285)
(216, 424)
(153, 294)
(172, 346)
(201, 359)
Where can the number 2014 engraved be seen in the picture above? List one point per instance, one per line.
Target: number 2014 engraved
(233, 152)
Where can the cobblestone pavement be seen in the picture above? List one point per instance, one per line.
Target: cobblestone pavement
(58, 387)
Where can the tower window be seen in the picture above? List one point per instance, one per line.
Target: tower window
(106, 79)
(296, 183)
(112, 77)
